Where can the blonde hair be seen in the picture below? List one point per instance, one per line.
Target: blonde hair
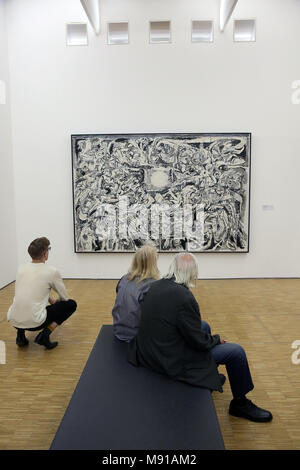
(184, 268)
(144, 264)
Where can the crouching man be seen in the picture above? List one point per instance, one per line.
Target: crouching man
(30, 310)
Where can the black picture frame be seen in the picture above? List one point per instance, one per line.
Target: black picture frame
(229, 185)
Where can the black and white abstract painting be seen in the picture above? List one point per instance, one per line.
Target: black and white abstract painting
(180, 192)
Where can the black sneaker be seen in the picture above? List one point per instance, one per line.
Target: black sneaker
(43, 339)
(222, 377)
(249, 410)
(21, 340)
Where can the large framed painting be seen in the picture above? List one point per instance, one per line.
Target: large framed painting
(180, 192)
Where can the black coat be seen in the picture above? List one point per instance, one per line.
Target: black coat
(170, 339)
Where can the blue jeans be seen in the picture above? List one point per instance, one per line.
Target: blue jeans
(233, 356)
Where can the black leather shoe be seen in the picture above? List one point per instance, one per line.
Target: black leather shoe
(21, 340)
(249, 410)
(222, 377)
(43, 339)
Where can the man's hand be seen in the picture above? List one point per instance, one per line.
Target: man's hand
(223, 341)
(52, 300)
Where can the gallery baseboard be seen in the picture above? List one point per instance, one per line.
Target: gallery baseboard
(6, 285)
(202, 279)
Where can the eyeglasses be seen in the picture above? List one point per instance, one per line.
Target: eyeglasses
(49, 248)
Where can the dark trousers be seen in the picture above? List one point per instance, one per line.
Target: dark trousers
(233, 356)
(58, 313)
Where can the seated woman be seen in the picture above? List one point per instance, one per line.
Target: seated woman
(131, 290)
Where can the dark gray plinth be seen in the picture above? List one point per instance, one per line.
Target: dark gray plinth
(119, 406)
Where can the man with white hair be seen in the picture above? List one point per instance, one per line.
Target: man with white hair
(173, 340)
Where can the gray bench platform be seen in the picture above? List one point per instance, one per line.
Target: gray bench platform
(117, 406)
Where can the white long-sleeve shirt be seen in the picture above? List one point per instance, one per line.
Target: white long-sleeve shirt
(33, 284)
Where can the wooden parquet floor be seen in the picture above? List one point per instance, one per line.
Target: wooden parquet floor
(262, 315)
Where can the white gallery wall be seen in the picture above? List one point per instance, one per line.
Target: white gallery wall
(8, 244)
(58, 90)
